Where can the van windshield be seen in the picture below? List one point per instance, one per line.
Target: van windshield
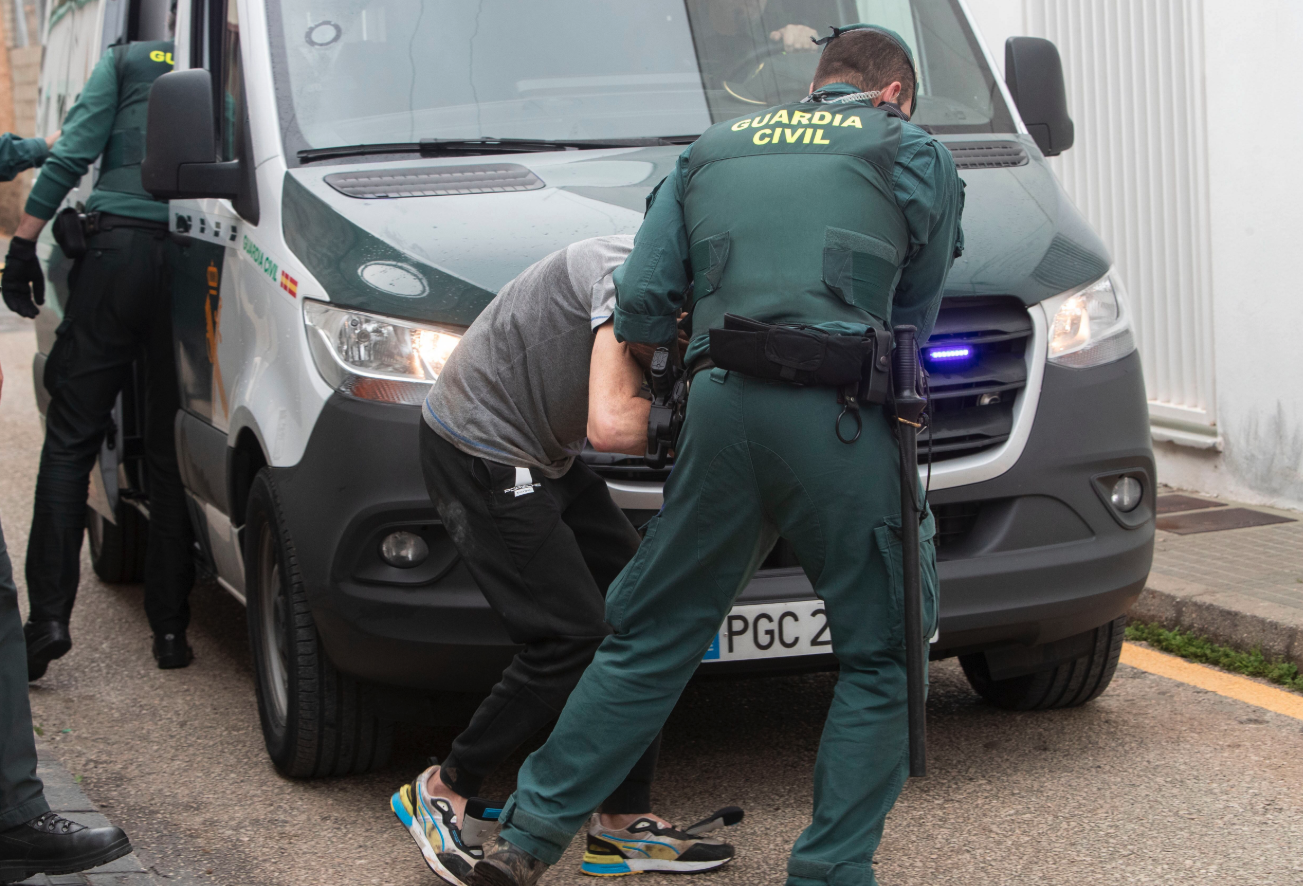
(395, 71)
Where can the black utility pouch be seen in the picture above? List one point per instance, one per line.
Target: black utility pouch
(70, 232)
(875, 384)
(799, 355)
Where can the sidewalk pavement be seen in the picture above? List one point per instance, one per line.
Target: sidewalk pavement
(66, 798)
(1241, 586)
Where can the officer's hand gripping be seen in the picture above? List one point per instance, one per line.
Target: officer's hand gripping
(23, 284)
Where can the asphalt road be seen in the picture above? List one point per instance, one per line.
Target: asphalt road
(1154, 783)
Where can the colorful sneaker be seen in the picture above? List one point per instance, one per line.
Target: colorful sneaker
(647, 845)
(433, 825)
(508, 866)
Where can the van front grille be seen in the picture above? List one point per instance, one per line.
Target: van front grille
(971, 399)
(614, 466)
(954, 522)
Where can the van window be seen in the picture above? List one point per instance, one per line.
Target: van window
(384, 71)
(232, 74)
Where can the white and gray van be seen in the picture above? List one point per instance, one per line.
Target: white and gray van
(353, 180)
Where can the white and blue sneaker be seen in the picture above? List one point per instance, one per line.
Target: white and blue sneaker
(647, 845)
(451, 851)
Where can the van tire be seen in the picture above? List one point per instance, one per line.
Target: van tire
(1066, 685)
(117, 551)
(315, 720)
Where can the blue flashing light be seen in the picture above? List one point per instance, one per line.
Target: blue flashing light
(949, 354)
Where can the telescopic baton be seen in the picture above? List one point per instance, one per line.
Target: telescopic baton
(909, 408)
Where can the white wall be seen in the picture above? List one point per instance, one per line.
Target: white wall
(1254, 231)
(1254, 67)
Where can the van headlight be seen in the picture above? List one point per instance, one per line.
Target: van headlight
(374, 357)
(1090, 326)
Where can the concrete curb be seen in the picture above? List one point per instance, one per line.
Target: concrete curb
(65, 797)
(1231, 619)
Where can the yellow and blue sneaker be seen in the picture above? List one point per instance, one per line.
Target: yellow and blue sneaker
(648, 845)
(450, 850)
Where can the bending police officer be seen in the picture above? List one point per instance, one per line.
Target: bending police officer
(118, 307)
(835, 213)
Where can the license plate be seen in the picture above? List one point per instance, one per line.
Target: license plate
(771, 630)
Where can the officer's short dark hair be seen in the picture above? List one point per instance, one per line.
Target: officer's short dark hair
(867, 60)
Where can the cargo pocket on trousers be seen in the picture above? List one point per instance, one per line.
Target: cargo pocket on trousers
(709, 257)
(887, 538)
(617, 595)
(860, 270)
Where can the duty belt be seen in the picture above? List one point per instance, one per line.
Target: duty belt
(72, 228)
(100, 222)
(859, 366)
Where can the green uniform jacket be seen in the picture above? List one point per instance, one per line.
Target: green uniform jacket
(107, 118)
(912, 207)
(17, 154)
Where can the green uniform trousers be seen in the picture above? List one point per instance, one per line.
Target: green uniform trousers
(757, 460)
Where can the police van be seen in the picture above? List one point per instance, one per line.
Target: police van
(351, 182)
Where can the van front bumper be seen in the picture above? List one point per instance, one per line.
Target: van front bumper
(1032, 556)
(1048, 556)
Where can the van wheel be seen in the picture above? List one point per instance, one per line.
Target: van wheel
(117, 552)
(315, 720)
(1066, 685)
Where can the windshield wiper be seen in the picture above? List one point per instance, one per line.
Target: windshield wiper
(442, 147)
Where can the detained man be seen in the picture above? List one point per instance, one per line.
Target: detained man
(537, 373)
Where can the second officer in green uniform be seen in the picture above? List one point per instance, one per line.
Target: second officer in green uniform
(118, 309)
(836, 213)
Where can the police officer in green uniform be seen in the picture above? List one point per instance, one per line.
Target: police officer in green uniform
(833, 212)
(33, 839)
(118, 309)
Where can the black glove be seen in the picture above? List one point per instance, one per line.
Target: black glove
(22, 283)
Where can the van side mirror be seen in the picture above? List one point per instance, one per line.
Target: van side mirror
(181, 141)
(1034, 74)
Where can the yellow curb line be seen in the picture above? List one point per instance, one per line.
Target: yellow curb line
(1230, 685)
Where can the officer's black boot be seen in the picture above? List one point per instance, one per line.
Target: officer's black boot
(49, 844)
(46, 641)
(172, 651)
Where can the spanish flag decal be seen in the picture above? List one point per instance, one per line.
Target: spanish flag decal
(289, 284)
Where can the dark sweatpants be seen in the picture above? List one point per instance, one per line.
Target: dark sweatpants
(22, 797)
(544, 560)
(119, 309)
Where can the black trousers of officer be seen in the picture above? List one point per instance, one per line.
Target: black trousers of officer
(119, 311)
(22, 796)
(543, 560)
